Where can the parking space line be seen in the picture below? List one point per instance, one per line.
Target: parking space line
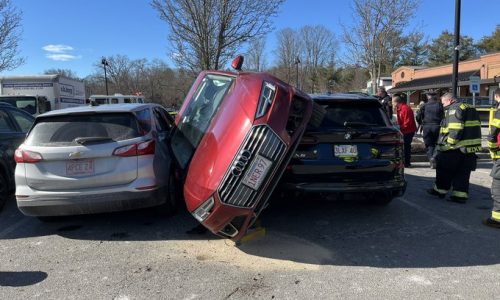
(450, 223)
(13, 227)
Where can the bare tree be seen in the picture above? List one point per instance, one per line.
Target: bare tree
(288, 52)
(318, 50)
(372, 37)
(10, 35)
(63, 72)
(155, 80)
(255, 57)
(205, 34)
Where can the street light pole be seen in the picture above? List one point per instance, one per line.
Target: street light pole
(104, 63)
(457, 48)
(297, 62)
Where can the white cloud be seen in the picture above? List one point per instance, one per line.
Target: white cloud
(57, 48)
(60, 52)
(62, 57)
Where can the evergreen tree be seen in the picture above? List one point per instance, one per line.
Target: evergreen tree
(441, 50)
(489, 44)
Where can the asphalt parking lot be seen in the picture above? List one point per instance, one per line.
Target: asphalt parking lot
(314, 247)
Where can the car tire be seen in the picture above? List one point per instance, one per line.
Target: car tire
(4, 190)
(170, 206)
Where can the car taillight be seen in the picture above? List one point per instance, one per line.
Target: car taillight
(25, 156)
(391, 138)
(144, 148)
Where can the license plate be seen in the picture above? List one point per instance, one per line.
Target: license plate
(346, 150)
(257, 172)
(80, 167)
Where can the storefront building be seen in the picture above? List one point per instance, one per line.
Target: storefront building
(415, 81)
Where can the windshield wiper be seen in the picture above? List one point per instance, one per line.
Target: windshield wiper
(92, 140)
(358, 124)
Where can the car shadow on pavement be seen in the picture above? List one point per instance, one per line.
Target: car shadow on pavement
(18, 279)
(136, 225)
(414, 231)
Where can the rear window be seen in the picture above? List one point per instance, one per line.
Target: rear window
(362, 113)
(65, 130)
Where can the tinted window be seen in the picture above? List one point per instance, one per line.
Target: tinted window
(162, 121)
(23, 120)
(5, 124)
(144, 118)
(26, 103)
(64, 130)
(339, 113)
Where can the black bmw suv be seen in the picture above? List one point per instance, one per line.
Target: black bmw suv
(355, 149)
(14, 123)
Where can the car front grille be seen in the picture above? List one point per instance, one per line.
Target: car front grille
(262, 141)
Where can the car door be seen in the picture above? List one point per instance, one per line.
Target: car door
(12, 135)
(163, 127)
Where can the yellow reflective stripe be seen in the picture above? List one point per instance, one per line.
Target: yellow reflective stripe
(495, 154)
(464, 106)
(440, 190)
(495, 123)
(492, 145)
(455, 126)
(472, 123)
(451, 140)
(444, 147)
(471, 142)
(495, 215)
(444, 130)
(460, 194)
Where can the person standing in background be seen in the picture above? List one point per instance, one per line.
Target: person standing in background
(385, 100)
(407, 125)
(429, 118)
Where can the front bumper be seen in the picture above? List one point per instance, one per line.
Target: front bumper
(395, 186)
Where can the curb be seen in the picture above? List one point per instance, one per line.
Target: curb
(423, 157)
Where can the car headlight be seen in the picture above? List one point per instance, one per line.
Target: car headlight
(202, 212)
(266, 99)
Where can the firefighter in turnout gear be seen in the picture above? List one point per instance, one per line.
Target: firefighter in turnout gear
(459, 140)
(494, 220)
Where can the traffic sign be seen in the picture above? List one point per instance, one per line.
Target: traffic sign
(474, 84)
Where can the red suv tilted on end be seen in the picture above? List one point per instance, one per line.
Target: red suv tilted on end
(235, 134)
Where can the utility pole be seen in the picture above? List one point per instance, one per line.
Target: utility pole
(297, 62)
(457, 48)
(104, 63)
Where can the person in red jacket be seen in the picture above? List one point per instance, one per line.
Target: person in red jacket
(407, 125)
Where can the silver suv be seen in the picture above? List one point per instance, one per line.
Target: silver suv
(96, 159)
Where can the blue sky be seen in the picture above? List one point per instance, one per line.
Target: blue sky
(75, 34)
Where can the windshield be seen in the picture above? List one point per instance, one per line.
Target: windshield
(197, 116)
(28, 104)
(341, 114)
(72, 130)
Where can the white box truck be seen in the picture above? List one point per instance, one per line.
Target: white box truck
(41, 93)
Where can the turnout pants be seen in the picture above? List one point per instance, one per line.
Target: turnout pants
(495, 191)
(453, 170)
